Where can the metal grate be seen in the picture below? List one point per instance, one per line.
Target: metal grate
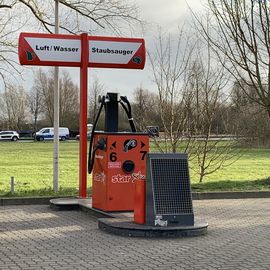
(171, 186)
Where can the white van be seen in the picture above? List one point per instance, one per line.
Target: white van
(47, 133)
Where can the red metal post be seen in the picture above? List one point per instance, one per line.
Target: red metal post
(139, 201)
(83, 115)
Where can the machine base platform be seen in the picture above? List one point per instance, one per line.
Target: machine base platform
(126, 227)
(121, 223)
(66, 204)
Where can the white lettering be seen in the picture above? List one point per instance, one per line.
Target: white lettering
(121, 179)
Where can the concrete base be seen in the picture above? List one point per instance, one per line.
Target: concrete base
(64, 204)
(121, 223)
(129, 228)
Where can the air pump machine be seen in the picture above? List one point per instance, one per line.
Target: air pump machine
(116, 159)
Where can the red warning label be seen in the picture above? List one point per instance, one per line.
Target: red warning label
(114, 165)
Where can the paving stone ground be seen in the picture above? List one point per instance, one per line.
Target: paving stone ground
(36, 237)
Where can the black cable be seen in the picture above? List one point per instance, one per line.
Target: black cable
(91, 152)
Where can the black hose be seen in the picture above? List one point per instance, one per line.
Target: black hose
(128, 112)
(92, 149)
(91, 152)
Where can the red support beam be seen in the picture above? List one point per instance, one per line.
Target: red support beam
(83, 115)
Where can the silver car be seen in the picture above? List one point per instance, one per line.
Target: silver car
(89, 134)
(9, 136)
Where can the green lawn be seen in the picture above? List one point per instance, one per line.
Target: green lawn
(253, 164)
(251, 169)
(31, 165)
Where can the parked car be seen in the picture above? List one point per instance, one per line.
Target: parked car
(88, 136)
(9, 135)
(89, 132)
(47, 133)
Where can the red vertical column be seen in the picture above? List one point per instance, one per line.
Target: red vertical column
(139, 201)
(83, 115)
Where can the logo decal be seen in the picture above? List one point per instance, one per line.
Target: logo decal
(160, 222)
(100, 177)
(124, 179)
(129, 144)
(30, 56)
(137, 176)
(137, 60)
(121, 179)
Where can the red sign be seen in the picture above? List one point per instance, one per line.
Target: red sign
(65, 50)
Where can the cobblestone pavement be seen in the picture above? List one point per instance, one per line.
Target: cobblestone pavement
(36, 237)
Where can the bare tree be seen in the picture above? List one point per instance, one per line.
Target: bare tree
(69, 102)
(95, 90)
(79, 16)
(239, 31)
(41, 99)
(8, 49)
(208, 82)
(169, 67)
(34, 99)
(190, 88)
(250, 120)
(13, 106)
(46, 87)
(145, 108)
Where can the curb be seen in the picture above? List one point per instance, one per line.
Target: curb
(230, 195)
(27, 200)
(195, 196)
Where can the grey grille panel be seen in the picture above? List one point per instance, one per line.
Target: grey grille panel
(171, 186)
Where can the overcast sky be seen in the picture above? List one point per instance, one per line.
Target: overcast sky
(169, 15)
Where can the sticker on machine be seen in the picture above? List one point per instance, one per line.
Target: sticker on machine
(160, 222)
(100, 177)
(137, 176)
(115, 165)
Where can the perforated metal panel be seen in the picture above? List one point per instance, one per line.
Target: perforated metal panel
(171, 187)
(168, 190)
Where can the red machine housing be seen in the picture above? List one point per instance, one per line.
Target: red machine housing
(116, 168)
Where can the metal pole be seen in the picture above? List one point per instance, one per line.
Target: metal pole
(12, 185)
(83, 115)
(56, 113)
